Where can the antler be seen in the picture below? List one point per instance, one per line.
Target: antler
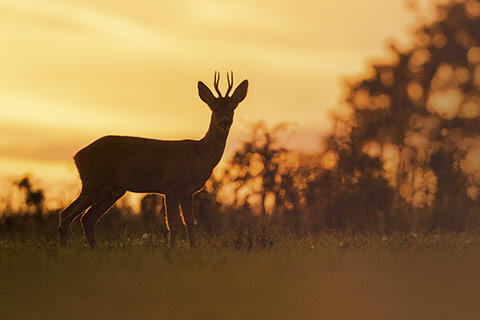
(230, 83)
(216, 80)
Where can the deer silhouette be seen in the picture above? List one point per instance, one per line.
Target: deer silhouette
(112, 165)
(33, 199)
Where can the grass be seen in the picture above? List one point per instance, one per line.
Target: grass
(269, 275)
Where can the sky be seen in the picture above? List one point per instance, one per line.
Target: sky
(75, 70)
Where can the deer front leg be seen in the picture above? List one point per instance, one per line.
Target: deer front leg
(172, 217)
(188, 217)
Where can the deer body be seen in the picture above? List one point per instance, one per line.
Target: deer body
(112, 165)
(146, 165)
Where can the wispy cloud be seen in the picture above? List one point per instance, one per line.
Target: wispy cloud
(85, 17)
(29, 111)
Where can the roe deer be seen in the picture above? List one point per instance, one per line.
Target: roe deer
(112, 165)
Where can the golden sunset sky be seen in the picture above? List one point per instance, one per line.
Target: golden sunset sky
(75, 70)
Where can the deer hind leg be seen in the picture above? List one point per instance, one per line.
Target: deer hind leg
(172, 218)
(70, 213)
(96, 211)
(188, 217)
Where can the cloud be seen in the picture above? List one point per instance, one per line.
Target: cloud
(29, 111)
(39, 142)
(84, 17)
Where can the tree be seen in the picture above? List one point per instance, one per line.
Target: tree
(418, 116)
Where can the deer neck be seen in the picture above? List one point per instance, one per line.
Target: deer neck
(213, 144)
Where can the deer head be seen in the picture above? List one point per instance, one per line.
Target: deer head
(223, 106)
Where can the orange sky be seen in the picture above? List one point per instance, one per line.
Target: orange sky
(74, 70)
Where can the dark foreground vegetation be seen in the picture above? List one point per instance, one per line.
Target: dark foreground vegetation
(322, 276)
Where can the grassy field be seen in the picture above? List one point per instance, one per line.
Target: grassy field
(273, 276)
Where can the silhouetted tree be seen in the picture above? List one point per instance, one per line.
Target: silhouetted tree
(255, 170)
(151, 206)
(262, 176)
(207, 212)
(418, 117)
(34, 199)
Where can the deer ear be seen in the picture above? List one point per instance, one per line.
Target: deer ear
(240, 92)
(205, 94)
